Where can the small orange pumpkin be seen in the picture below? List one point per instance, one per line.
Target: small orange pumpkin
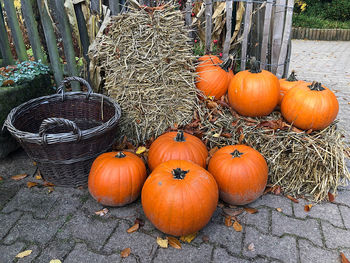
(179, 197)
(116, 178)
(241, 173)
(254, 92)
(177, 146)
(310, 106)
(287, 84)
(210, 59)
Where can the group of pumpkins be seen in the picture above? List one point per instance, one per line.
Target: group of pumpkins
(180, 195)
(257, 92)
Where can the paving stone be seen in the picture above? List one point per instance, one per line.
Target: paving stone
(56, 249)
(283, 248)
(343, 197)
(34, 200)
(310, 253)
(7, 191)
(34, 230)
(82, 254)
(324, 211)
(16, 163)
(30, 258)
(274, 201)
(260, 220)
(221, 255)
(142, 245)
(345, 211)
(8, 253)
(130, 211)
(94, 230)
(188, 253)
(335, 237)
(7, 221)
(308, 228)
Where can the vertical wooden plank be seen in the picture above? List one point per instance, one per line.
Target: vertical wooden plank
(277, 33)
(114, 7)
(95, 6)
(4, 42)
(286, 38)
(15, 30)
(286, 65)
(65, 30)
(266, 33)
(246, 30)
(51, 42)
(208, 24)
(188, 17)
(227, 41)
(32, 29)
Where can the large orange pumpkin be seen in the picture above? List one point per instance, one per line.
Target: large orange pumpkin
(177, 146)
(310, 106)
(287, 84)
(179, 197)
(254, 92)
(213, 76)
(116, 178)
(241, 173)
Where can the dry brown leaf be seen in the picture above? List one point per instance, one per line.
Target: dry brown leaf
(293, 199)
(343, 258)
(24, 254)
(276, 190)
(174, 242)
(205, 238)
(251, 247)
(237, 226)
(38, 177)
(251, 210)
(141, 150)
(216, 135)
(221, 205)
(133, 228)
(125, 253)
(139, 221)
(162, 242)
(55, 261)
(50, 189)
(226, 135)
(188, 238)
(34, 163)
(279, 209)
(241, 138)
(8, 82)
(31, 184)
(213, 150)
(102, 212)
(228, 221)
(19, 177)
(307, 207)
(232, 212)
(1, 178)
(48, 184)
(331, 197)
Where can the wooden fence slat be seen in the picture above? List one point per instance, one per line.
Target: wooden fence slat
(286, 65)
(266, 33)
(247, 21)
(66, 33)
(208, 24)
(285, 39)
(32, 29)
(96, 6)
(15, 30)
(51, 42)
(188, 17)
(277, 33)
(4, 42)
(227, 42)
(114, 7)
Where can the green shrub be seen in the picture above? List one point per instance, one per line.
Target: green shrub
(338, 10)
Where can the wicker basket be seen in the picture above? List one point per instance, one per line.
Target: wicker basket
(65, 132)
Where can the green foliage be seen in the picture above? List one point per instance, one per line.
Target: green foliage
(338, 10)
(27, 70)
(307, 21)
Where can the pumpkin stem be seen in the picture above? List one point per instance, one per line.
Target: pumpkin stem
(180, 136)
(226, 65)
(316, 86)
(255, 67)
(236, 153)
(292, 77)
(178, 173)
(120, 155)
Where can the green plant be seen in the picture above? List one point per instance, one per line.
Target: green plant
(338, 10)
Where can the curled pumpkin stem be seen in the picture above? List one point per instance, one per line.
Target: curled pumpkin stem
(180, 136)
(120, 155)
(292, 77)
(236, 153)
(179, 174)
(316, 86)
(255, 67)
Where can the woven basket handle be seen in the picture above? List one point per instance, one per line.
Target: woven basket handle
(66, 80)
(50, 123)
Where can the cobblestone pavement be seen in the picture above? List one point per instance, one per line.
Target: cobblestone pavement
(62, 224)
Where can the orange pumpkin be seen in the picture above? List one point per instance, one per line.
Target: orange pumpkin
(310, 106)
(177, 146)
(179, 197)
(287, 84)
(241, 173)
(116, 179)
(210, 59)
(254, 92)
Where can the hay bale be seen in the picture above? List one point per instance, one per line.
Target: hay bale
(147, 62)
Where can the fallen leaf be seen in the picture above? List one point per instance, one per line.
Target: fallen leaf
(205, 238)
(237, 226)
(125, 253)
(343, 258)
(8, 82)
(34, 163)
(31, 184)
(19, 177)
(48, 184)
(50, 189)
(55, 261)
(293, 199)
(221, 205)
(174, 242)
(232, 212)
(162, 242)
(251, 247)
(1, 178)
(213, 150)
(216, 135)
(139, 221)
(279, 209)
(228, 221)
(276, 190)
(241, 138)
(141, 149)
(226, 135)
(309, 131)
(133, 228)
(102, 212)
(24, 254)
(38, 177)
(251, 210)
(307, 207)
(331, 197)
(188, 238)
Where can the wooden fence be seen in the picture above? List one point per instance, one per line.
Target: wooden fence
(321, 34)
(260, 28)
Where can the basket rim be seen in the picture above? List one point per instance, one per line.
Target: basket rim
(52, 138)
